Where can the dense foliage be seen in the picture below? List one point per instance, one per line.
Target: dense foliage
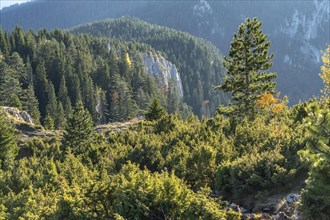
(316, 196)
(47, 74)
(199, 62)
(8, 145)
(165, 167)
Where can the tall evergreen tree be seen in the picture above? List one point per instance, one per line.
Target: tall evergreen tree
(41, 87)
(51, 108)
(246, 66)
(173, 98)
(10, 89)
(63, 96)
(31, 104)
(60, 117)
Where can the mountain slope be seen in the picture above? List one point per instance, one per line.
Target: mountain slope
(198, 61)
(298, 30)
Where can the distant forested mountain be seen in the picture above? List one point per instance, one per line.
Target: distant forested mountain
(198, 61)
(48, 73)
(298, 30)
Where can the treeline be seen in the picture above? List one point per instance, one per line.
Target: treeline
(199, 63)
(48, 73)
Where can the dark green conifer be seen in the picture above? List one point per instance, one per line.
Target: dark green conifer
(60, 117)
(31, 104)
(8, 146)
(49, 122)
(51, 108)
(41, 87)
(79, 132)
(63, 96)
(247, 64)
(155, 111)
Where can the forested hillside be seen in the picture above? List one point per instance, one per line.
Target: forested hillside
(107, 141)
(47, 73)
(303, 25)
(198, 61)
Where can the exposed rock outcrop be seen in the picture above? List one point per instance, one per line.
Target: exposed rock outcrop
(163, 70)
(16, 115)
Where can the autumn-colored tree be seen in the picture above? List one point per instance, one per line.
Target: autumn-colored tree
(270, 103)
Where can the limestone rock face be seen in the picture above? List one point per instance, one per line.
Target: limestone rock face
(15, 114)
(163, 70)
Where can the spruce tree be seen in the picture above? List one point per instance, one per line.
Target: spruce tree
(246, 66)
(49, 123)
(51, 108)
(173, 98)
(79, 132)
(41, 87)
(30, 104)
(60, 117)
(8, 146)
(155, 111)
(63, 96)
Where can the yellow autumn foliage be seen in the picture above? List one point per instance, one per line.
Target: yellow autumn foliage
(128, 60)
(270, 103)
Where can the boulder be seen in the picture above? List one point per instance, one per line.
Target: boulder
(16, 115)
(292, 197)
(281, 216)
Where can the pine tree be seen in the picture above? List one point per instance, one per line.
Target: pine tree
(41, 87)
(8, 48)
(63, 96)
(16, 63)
(10, 89)
(30, 104)
(246, 65)
(8, 146)
(3, 44)
(51, 108)
(155, 111)
(60, 117)
(49, 122)
(112, 92)
(79, 132)
(173, 98)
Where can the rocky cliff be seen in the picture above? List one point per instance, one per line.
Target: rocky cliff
(16, 115)
(163, 70)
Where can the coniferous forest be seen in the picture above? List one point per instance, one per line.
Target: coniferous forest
(107, 142)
